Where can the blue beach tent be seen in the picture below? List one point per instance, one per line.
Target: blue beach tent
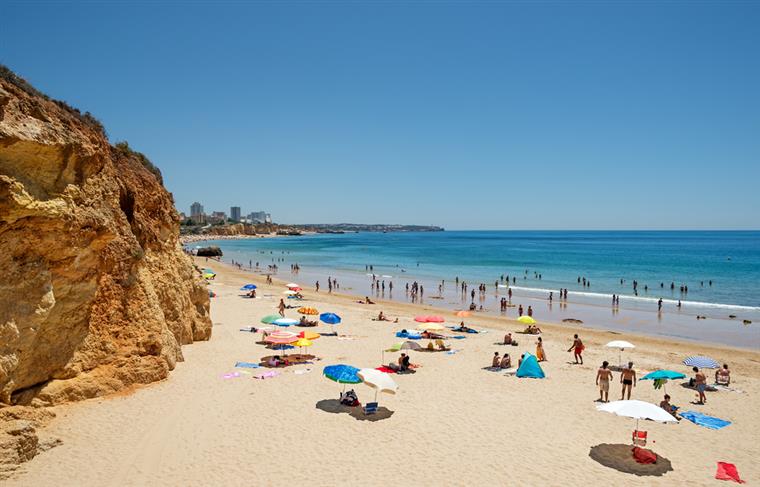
(530, 368)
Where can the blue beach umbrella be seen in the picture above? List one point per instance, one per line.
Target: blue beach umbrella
(248, 287)
(701, 362)
(663, 376)
(342, 374)
(285, 322)
(330, 318)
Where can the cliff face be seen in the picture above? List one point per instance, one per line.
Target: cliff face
(96, 293)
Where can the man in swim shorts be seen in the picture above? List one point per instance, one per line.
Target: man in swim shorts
(603, 377)
(577, 349)
(700, 380)
(628, 379)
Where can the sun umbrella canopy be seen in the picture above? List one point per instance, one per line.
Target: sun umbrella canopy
(281, 338)
(302, 342)
(701, 362)
(290, 293)
(285, 322)
(308, 310)
(429, 319)
(462, 314)
(269, 319)
(527, 320)
(663, 374)
(620, 344)
(248, 287)
(292, 284)
(637, 410)
(380, 381)
(309, 335)
(343, 374)
(330, 318)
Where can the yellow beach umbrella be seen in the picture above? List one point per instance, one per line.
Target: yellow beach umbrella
(302, 343)
(309, 335)
(526, 320)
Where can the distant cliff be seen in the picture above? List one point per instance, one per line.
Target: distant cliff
(362, 227)
(96, 293)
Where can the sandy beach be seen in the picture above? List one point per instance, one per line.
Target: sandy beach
(451, 423)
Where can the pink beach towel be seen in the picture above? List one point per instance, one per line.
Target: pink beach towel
(266, 375)
(728, 471)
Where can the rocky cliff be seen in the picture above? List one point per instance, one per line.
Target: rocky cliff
(96, 293)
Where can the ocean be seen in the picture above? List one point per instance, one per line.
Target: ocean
(719, 269)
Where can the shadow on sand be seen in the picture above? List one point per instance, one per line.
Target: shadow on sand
(335, 407)
(620, 458)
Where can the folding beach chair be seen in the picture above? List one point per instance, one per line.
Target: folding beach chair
(370, 408)
(639, 438)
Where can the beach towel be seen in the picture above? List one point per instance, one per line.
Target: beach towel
(451, 352)
(458, 337)
(232, 375)
(728, 471)
(705, 420)
(644, 456)
(411, 336)
(385, 369)
(247, 365)
(302, 371)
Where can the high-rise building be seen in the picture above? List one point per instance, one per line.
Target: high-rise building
(258, 217)
(235, 213)
(217, 217)
(196, 213)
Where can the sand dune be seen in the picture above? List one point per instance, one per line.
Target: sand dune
(451, 423)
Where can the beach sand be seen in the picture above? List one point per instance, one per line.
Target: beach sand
(452, 422)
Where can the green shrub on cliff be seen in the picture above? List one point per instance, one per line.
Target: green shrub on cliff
(124, 149)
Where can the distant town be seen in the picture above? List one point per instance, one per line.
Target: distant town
(199, 223)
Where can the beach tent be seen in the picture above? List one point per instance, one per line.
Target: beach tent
(530, 368)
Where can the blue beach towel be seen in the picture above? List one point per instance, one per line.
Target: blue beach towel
(411, 336)
(458, 337)
(247, 365)
(705, 420)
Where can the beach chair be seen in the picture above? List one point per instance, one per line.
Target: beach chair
(370, 408)
(639, 438)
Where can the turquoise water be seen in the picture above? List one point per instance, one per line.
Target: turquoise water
(731, 260)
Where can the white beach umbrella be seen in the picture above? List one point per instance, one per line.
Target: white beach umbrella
(637, 410)
(379, 381)
(290, 293)
(622, 345)
(292, 284)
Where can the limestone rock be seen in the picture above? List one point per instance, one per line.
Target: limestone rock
(96, 292)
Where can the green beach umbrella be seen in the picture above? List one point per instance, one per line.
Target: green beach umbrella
(269, 319)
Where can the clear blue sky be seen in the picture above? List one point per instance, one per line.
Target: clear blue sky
(488, 115)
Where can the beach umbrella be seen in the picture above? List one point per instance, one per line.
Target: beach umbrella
(526, 320)
(308, 310)
(663, 375)
(281, 337)
(379, 381)
(248, 287)
(290, 293)
(330, 318)
(269, 319)
(302, 343)
(701, 362)
(429, 319)
(309, 335)
(342, 374)
(622, 345)
(291, 285)
(462, 314)
(285, 322)
(637, 410)
(407, 345)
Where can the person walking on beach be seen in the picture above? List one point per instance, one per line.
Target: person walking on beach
(603, 378)
(628, 379)
(540, 355)
(659, 305)
(317, 286)
(700, 381)
(520, 310)
(281, 307)
(577, 349)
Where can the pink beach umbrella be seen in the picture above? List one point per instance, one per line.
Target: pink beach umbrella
(429, 319)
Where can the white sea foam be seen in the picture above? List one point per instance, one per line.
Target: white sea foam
(642, 299)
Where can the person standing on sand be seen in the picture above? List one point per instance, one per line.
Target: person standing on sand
(281, 307)
(540, 355)
(530, 311)
(628, 379)
(700, 381)
(317, 286)
(603, 378)
(520, 310)
(577, 349)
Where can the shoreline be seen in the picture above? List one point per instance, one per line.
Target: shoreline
(495, 322)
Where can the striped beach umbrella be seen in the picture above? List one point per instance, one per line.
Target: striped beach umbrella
(701, 361)
(281, 338)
